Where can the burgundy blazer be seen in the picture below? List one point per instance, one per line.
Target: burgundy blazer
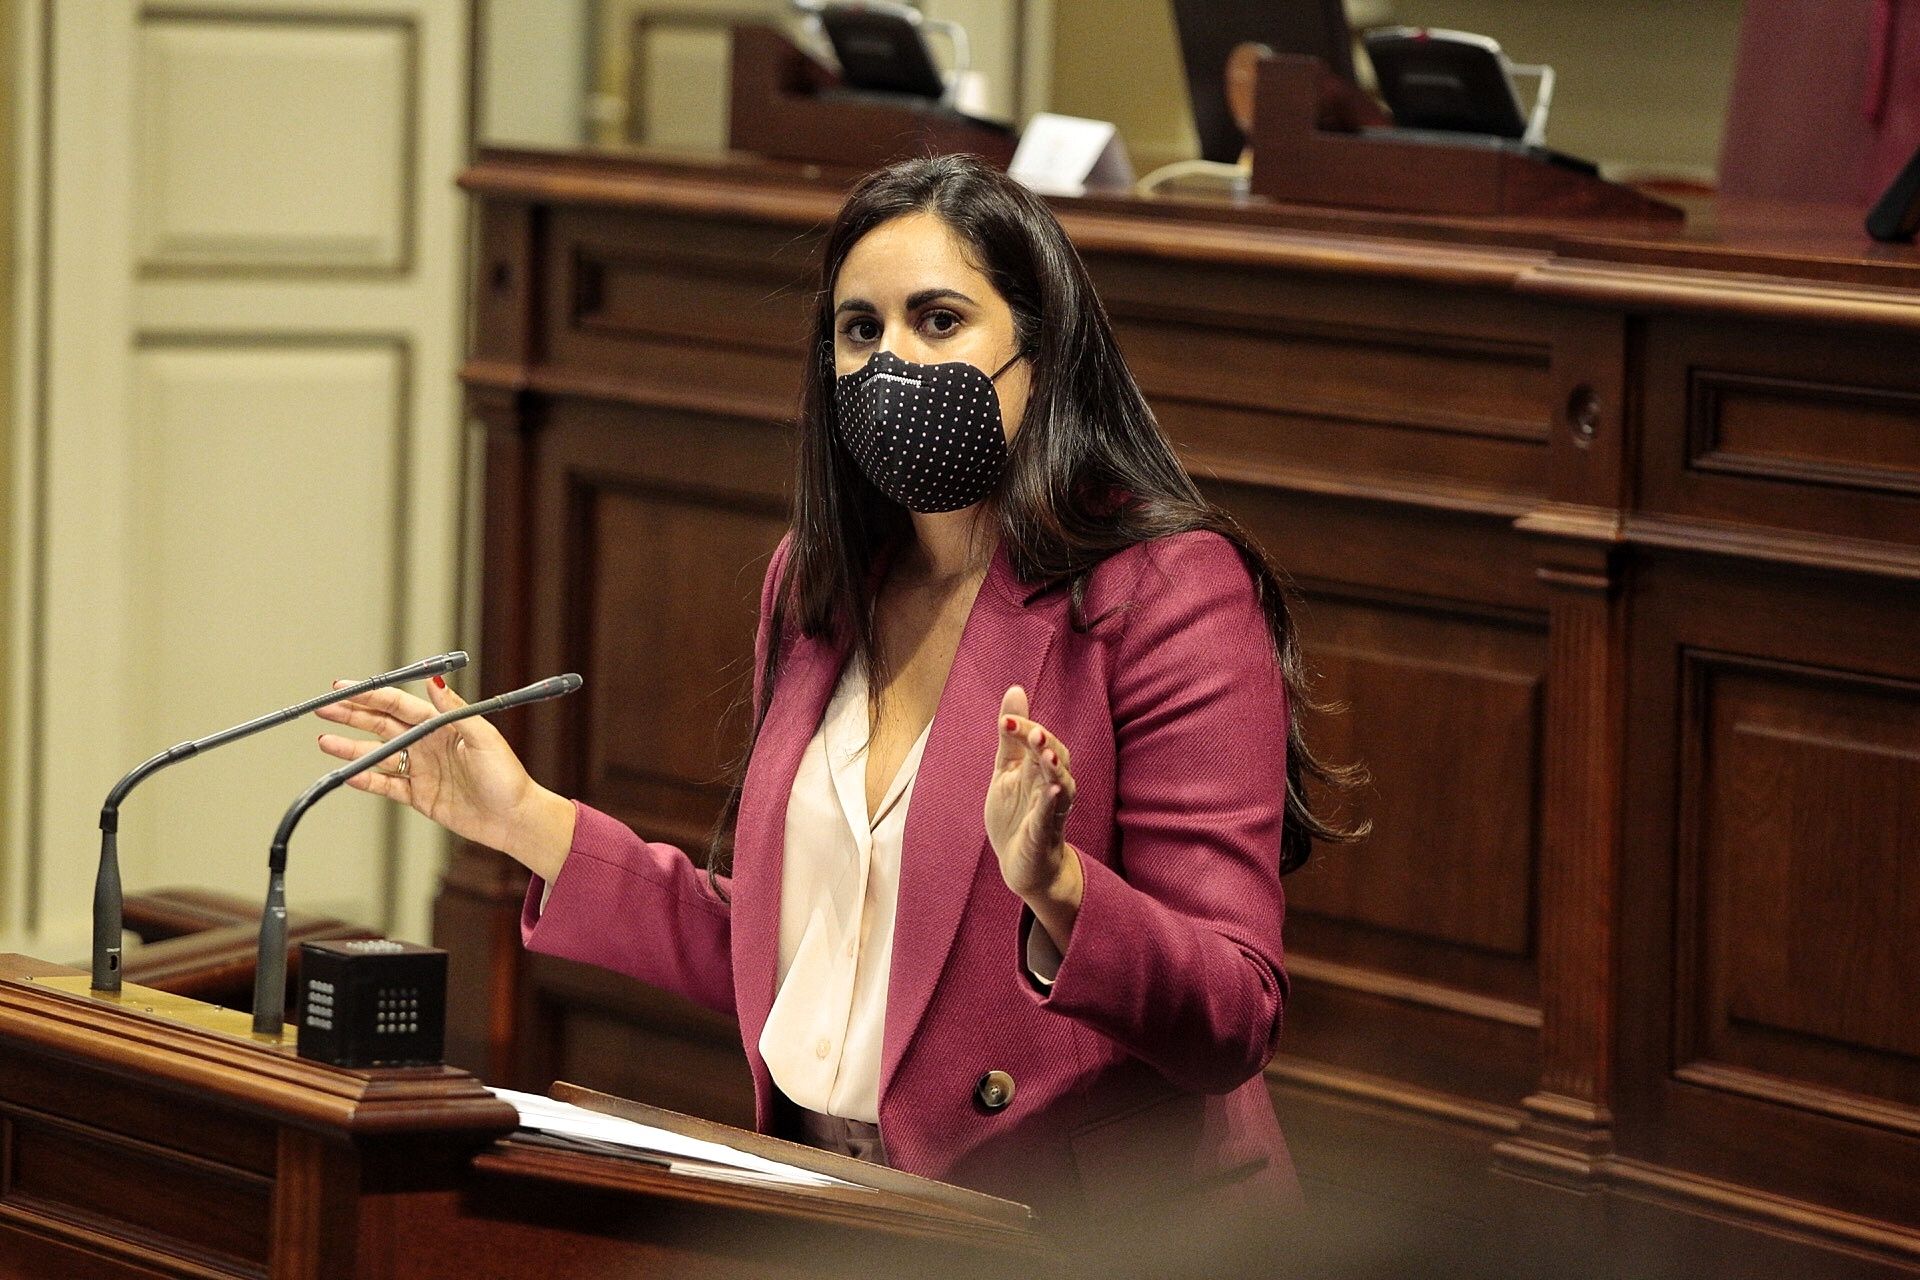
(1137, 1076)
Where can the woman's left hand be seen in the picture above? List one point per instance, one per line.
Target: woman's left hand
(1027, 804)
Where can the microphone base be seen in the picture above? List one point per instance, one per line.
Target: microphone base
(168, 1007)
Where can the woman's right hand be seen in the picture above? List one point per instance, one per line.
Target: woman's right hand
(465, 777)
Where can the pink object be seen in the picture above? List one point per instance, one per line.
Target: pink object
(1895, 113)
(1826, 100)
(1137, 1076)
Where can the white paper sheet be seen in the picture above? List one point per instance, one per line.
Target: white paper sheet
(549, 1115)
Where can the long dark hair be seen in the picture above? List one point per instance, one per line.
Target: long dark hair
(1088, 474)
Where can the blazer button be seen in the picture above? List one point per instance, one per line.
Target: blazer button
(995, 1090)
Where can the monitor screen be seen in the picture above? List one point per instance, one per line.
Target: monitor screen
(1209, 29)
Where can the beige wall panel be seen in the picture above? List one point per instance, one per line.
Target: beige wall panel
(74, 616)
(532, 81)
(1119, 60)
(685, 77)
(263, 553)
(244, 431)
(275, 143)
(661, 69)
(992, 27)
(15, 509)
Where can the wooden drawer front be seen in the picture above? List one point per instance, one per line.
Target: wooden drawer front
(657, 532)
(1259, 376)
(1806, 430)
(1800, 795)
(1771, 1014)
(678, 312)
(61, 1090)
(1783, 429)
(1445, 710)
(141, 1194)
(664, 730)
(1431, 627)
(1425, 932)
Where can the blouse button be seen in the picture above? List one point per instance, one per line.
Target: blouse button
(995, 1090)
(822, 1049)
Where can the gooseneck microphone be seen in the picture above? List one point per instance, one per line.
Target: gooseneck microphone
(106, 883)
(270, 969)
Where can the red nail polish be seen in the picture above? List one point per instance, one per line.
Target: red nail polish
(440, 681)
(1012, 724)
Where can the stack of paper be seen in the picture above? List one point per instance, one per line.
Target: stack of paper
(564, 1119)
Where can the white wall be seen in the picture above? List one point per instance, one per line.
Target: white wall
(236, 471)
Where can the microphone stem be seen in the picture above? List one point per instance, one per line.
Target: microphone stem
(270, 965)
(270, 968)
(107, 915)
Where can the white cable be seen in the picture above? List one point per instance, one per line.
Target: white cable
(1237, 176)
(1536, 134)
(962, 51)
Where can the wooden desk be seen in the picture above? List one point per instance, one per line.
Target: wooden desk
(1611, 536)
(135, 1147)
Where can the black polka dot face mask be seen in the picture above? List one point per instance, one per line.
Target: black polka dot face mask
(927, 435)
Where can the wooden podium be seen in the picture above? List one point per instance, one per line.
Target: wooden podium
(786, 105)
(134, 1144)
(1298, 161)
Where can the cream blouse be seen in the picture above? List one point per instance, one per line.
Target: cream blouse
(839, 881)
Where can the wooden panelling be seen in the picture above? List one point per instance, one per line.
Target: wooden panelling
(29, 1253)
(1350, 374)
(698, 316)
(1419, 684)
(594, 1028)
(1611, 547)
(1400, 553)
(1802, 794)
(1740, 416)
(1787, 429)
(69, 1173)
(1434, 1209)
(1767, 948)
(678, 296)
(1384, 948)
(62, 1092)
(1467, 1050)
(656, 553)
(1251, 372)
(658, 747)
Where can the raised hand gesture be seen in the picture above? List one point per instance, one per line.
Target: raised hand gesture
(1026, 815)
(465, 777)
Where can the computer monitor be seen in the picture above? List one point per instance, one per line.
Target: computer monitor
(1209, 29)
(881, 49)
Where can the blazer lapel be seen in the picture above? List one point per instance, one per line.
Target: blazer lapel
(810, 671)
(1003, 643)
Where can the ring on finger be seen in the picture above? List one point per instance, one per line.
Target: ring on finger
(403, 765)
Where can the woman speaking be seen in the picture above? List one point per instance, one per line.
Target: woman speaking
(997, 896)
